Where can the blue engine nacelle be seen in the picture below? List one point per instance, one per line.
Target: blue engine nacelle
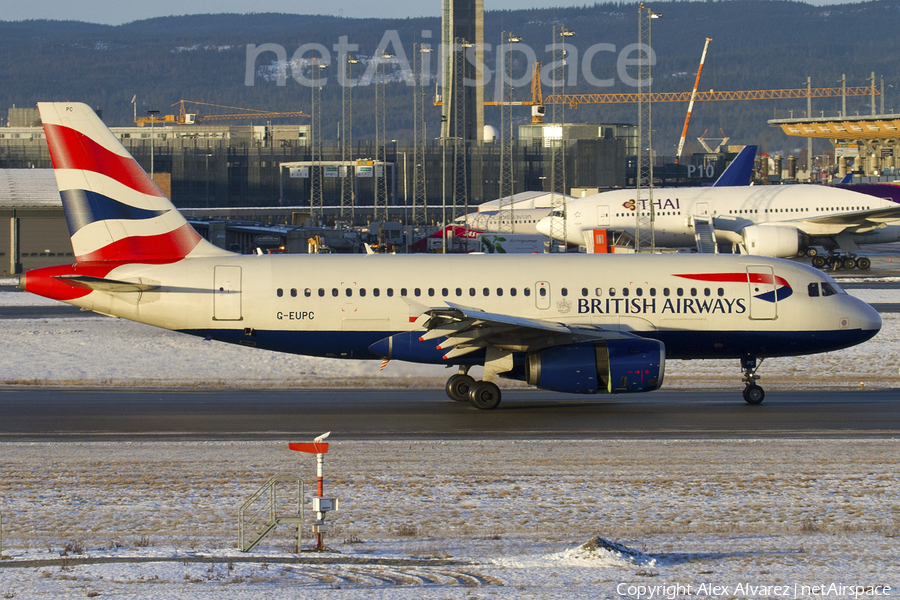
(604, 367)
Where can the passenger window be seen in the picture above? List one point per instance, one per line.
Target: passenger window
(666, 292)
(612, 291)
(417, 292)
(639, 292)
(334, 292)
(526, 291)
(349, 292)
(279, 292)
(321, 292)
(512, 291)
(471, 291)
(293, 292)
(499, 291)
(390, 292)
(625, 291)
(564, 291)
(584, 291)
(459, 291)
(445, 292)
(813, 289)
(679, 292)
(307, 292)
(376, 292)
(598, 292)
(543, 292)
(707, 292)
(486, 292)
(431, 292)
(652, 291)
(362, 292)
(721, 292)
(403, 292)
(693, 291)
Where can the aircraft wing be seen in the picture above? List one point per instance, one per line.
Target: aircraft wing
(848, 222)
(875, 216)
(469, 329)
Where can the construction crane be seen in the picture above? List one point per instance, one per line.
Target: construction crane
(536, 102)
(690, 109)
(573, 100)
(191, 118)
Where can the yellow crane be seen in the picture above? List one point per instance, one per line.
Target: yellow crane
(191, 118)
(573, 100)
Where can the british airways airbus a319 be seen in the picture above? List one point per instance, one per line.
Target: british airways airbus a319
(588, 324)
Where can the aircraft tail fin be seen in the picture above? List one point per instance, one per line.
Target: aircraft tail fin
(114, 211)
(740, 170)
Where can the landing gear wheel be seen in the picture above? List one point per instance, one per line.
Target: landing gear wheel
(753, 394)
(810, 252)
(849, 263)
(484, 395)
(458, 387)
(864, 263)
(819, 261)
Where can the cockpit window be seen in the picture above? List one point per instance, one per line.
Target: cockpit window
(559, 212)
(813, 290)
(828, 289)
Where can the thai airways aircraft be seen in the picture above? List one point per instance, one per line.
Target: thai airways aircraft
(527, 214)
(570, 323)
(780, 220)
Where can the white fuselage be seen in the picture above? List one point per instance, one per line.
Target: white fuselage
(338, 305)
(730, 209)
(521, 220)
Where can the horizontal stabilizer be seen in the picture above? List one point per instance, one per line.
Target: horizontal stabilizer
(86, 282)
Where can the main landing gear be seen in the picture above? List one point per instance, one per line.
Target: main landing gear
(753, 394)
(837, 261)
(483, 395)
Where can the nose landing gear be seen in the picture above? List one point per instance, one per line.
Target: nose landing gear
(753, 393)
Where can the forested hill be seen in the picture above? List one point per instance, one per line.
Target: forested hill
(756, 45)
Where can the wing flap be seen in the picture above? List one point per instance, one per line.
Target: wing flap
(470, 329)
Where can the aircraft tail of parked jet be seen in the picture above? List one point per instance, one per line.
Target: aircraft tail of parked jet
(740, 171)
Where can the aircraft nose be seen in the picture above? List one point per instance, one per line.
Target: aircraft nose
(869, 318)
(543, 226)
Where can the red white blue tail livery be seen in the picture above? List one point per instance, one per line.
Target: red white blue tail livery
(114, 210)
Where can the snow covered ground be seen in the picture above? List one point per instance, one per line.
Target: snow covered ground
(457, 519)
(757, 518)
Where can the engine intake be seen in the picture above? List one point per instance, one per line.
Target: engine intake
(603, 367)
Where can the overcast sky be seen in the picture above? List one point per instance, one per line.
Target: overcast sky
(116, 12)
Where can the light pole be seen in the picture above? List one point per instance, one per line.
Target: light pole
(207, 155)
(152, 114)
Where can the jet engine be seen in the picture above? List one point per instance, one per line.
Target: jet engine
(612, 366)
(774, 240)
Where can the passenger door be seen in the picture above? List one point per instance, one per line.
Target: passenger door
(227, 294)
(763, 300)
